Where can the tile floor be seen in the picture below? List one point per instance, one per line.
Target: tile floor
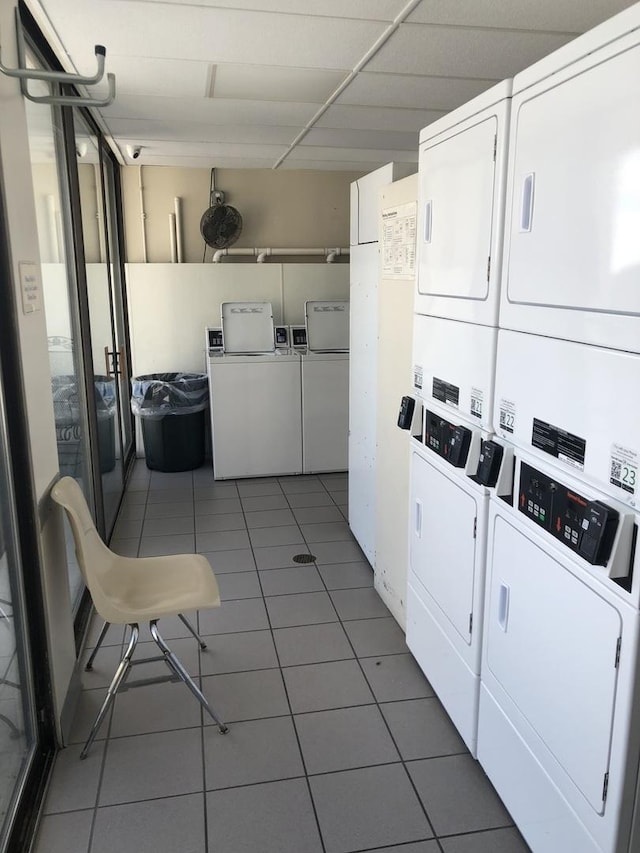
(336, 743)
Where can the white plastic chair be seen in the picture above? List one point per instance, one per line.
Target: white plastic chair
(128, 590)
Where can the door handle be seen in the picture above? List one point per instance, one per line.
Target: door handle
(526, 214)
(115, 362)
(503, 606)
(418, 520)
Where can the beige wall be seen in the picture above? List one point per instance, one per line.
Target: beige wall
(282, 209)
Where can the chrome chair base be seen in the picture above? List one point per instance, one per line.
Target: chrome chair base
(119, 679)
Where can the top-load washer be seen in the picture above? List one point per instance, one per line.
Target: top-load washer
(572, 257)
(462, 173)
(255, 395)
(325, 387)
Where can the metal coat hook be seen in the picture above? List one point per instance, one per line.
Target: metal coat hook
(58, 77)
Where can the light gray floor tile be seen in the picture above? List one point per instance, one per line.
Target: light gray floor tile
(421, 728)
(131, 511)
(134, 498)
(278, 556)
(166, 526)
(155, 765)
(369, 808)
(312, 644)
(304, 485)
(104, 667)
(252, 489)
(457, 795)
(287, 581)
(376, 637)
(334, 477)
(164, 479)
(285, 611)
(269, 518)
(223, 540)
(74, 783)
(345, 738)
(337, 552)
(65, 833)
(156, 546)
(358, 604)
(159, 826)
(231, 561)
(214, 491)
(170, 628)
(238, 652)
(224, 521)
(264, 502)
(330, 531)
(395, 677)
(255, 751)
(170, 510)
(114, 636)
(218, 505)
(347, 575)
(156, 708)
(418, 847)
(234, 585)
(282, 819)
(344, 509)
(317, 514)
(288, 534)
(170, 495)
(322, 686)
(246, 695)
(493, 841)
(127, 528)
(89, 703)
(247, 615)
(125, 547)
(304, 499)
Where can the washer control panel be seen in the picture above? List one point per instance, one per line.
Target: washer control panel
(446, 439)
(586, 527)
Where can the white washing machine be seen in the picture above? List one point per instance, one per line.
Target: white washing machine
(462, 174)
(325, 387)
(256, 399)
(559, 723)
(572, 255)
(452, 469)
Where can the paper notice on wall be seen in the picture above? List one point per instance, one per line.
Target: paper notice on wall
(399, 241)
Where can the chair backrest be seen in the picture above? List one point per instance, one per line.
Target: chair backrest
(94, 558)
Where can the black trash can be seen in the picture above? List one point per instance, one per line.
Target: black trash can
(171, 408)
(66, 407)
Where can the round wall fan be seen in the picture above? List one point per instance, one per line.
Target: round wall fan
(221, 224)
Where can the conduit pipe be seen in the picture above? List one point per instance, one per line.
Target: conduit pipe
(177, 204)
(261, 254)
(143, 217)
(173, 242)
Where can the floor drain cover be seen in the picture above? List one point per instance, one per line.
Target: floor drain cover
(304, 558)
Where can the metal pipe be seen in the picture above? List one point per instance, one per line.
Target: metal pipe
(173, 242)
(261, 254)
(177, 203)
(143, 217)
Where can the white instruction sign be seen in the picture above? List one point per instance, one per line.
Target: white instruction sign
(399, 241)
(31, 287)
(418, 377)
(623, 472)
(477, 396)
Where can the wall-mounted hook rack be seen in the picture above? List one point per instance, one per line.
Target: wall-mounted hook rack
(25, 74)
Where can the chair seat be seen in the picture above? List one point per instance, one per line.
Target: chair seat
(145, 588)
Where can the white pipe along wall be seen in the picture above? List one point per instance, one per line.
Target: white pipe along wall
(261, 254)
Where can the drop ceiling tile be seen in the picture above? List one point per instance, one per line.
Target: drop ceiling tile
(460, 52)
(361, 139)
(378, 118)
(196, 133)
(210, 111)
(140, 75)
(381, 10)
(207, 161)
(330, 166)
(408, 91)
(363, 156)
(572, 16)
(275, 83)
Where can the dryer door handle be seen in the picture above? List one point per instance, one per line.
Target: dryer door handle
(503, 606)
(526, 213)
(418, 519)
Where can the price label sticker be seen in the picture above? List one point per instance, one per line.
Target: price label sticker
(476, 402)
(418, 377)
(623, 471)
(507, 415)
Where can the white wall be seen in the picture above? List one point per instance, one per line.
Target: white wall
(394, 380)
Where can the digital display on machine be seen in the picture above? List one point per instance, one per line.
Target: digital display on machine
(586, 527)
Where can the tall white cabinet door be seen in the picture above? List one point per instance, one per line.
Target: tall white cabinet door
(573, 208)
(363, 395)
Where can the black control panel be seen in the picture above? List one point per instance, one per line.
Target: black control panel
(298, 336)
(491, 454)
(405, 415)
(586, 527)
(214, 338)
(447, 440)
(281, 335)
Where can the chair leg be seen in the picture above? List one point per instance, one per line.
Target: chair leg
(103, 633)
(201, 642)
(121, 671)
(174, 664)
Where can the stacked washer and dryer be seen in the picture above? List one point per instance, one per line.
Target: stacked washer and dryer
(559, 721)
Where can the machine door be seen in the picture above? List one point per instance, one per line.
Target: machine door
(456, 195)
(443, 544)
(551, 645)
(574, 197)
